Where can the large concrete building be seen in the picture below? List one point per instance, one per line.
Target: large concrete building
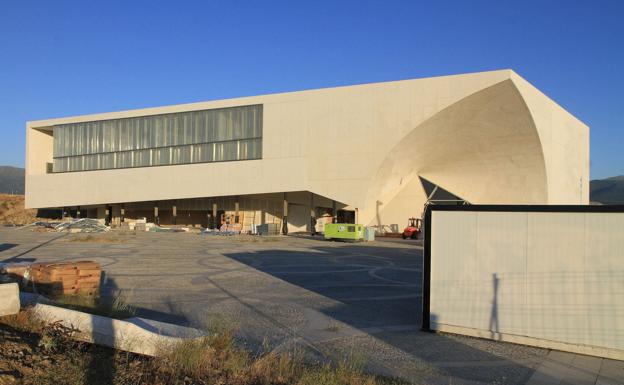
(372, 153)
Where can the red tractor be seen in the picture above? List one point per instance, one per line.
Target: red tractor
(413, 228)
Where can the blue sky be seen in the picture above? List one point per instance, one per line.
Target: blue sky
(60, 58)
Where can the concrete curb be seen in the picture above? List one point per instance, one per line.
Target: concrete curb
(10, 299)
(136, 335)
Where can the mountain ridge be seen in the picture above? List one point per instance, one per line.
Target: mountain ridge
(608, 190)
(11, 180)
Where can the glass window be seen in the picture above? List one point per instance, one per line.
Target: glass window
(223, 134)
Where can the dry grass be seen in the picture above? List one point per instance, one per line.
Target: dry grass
(12, 211)
(107, 237)
(115, 307)
(23, 321)
(214, 359)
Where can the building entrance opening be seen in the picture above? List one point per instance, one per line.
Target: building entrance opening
(345, 216)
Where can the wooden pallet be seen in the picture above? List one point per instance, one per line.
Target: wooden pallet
(68, 278)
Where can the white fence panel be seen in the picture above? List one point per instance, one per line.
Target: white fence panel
(532, 276)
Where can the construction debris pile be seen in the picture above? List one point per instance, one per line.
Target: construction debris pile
(141, 224)
(42, 224)
(161, 229)
(55, 278)
(225, 229)
(270, 229)
(83, 225)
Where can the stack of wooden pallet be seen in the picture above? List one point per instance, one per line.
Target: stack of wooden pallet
(66, 278)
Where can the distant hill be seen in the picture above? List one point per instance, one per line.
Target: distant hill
(12, 211)
(11, 180)
(608, 190)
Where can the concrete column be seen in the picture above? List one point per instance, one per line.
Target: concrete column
(285, 217)
(312, 215)
(107, 215)
(78, 212)
(236, 211)
(334, 213)
(122, 213)
(156, 219)
(357, 215)
(175, 214)
(214, 215)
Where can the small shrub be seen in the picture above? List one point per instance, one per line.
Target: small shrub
(55, 337)
(24, 321)
(191, 357)
(273, 368)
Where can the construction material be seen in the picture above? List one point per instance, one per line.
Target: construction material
(225, 229)
(344, 231)
(142, 224)
(369, 234)
(10, 302)
(268, 229)
(83, 225)
(56, 278)
(230, 228)
(237, 227)
(16, 269)
(82, 277)
(160, 229)
(128, 225)
(40, 226)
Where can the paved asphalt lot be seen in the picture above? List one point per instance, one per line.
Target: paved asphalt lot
(331, 298)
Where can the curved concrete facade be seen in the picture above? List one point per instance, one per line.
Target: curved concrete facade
(486, 137)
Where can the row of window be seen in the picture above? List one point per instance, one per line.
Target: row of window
(197, 153)
(166, 130)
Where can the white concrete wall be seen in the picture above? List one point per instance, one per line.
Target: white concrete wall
(565, 143)
(360, 145)
(548, 279)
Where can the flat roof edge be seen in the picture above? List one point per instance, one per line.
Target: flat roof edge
(250, 99)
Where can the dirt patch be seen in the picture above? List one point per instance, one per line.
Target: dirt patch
(12, 211)
(33, 353)
(108, 237)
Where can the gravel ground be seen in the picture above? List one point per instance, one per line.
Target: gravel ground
(330, 297)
